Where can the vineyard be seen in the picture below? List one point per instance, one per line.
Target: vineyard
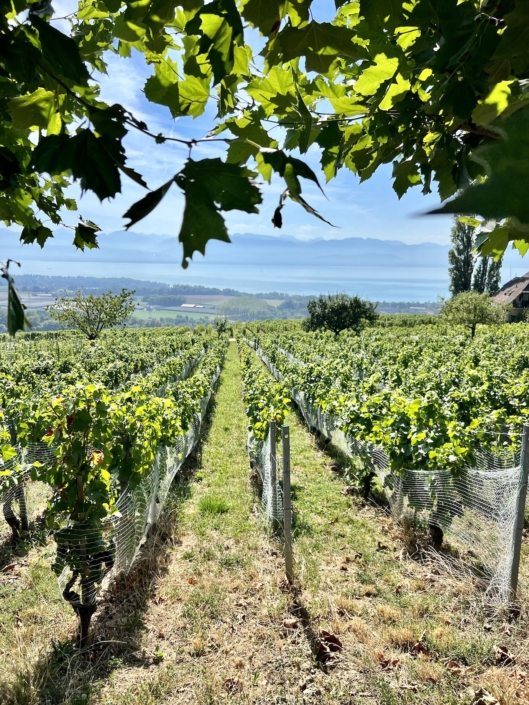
(109, 452)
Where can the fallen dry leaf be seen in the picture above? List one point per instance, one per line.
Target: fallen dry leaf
(483, 697)
(387, 663)
(453, 666)
(232, 685)
(290, 623)
(519, 676)
(9, 567)
(327, 644)
(503, 656)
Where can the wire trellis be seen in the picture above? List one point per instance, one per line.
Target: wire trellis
(264, 459)
(477, 507)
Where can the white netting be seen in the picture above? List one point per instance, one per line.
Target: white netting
(267, 464)
(476, 508)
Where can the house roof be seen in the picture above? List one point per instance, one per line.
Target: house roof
(510, 291)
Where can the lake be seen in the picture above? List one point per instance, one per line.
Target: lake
(375, 283)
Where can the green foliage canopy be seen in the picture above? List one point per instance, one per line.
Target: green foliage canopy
(91, 314)
(470, 309)
(437, 88)
(337, 312)
(466, 270)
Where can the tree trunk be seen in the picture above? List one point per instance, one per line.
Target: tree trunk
(18, 525)
(366, 484)
(436, 536)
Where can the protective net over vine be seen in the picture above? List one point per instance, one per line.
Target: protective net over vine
(115, 546)
(267, 464)
(114, 549)
(475, 508)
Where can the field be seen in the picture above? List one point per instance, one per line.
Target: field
(203, 613)
(172, 313)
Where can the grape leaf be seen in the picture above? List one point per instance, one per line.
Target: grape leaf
(162, 87)
(210, 186)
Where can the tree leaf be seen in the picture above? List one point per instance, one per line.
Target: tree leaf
(382, 13)
(60, 52)
(147, 204)
(319, 42)
(264, 14)
(16, 311)
(86, 235)
(37, 234)
(93, 160)
(309, 208)
(373, 77)
(514, 42)
(279, 162)
(395, 93)
(32, 110)
(162, 87)
(493, 105)
(504, 192)
(209, 186)
(331, 140)
(405, 175)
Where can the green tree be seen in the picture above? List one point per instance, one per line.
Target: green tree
(487, 276)
(337, 312)
(91, 314)
(461, 257)
(221, 324)
(436, 89)
(470, 309)
(468, 271)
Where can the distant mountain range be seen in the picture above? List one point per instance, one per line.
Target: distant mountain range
(246, 248)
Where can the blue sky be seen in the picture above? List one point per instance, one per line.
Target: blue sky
(370, 209)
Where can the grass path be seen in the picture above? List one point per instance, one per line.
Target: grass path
(206, 616)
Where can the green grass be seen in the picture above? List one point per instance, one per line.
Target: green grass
(213, 505)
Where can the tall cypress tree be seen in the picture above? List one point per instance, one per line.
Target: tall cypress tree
(461, 257)
(485, 277)
(494, 276)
